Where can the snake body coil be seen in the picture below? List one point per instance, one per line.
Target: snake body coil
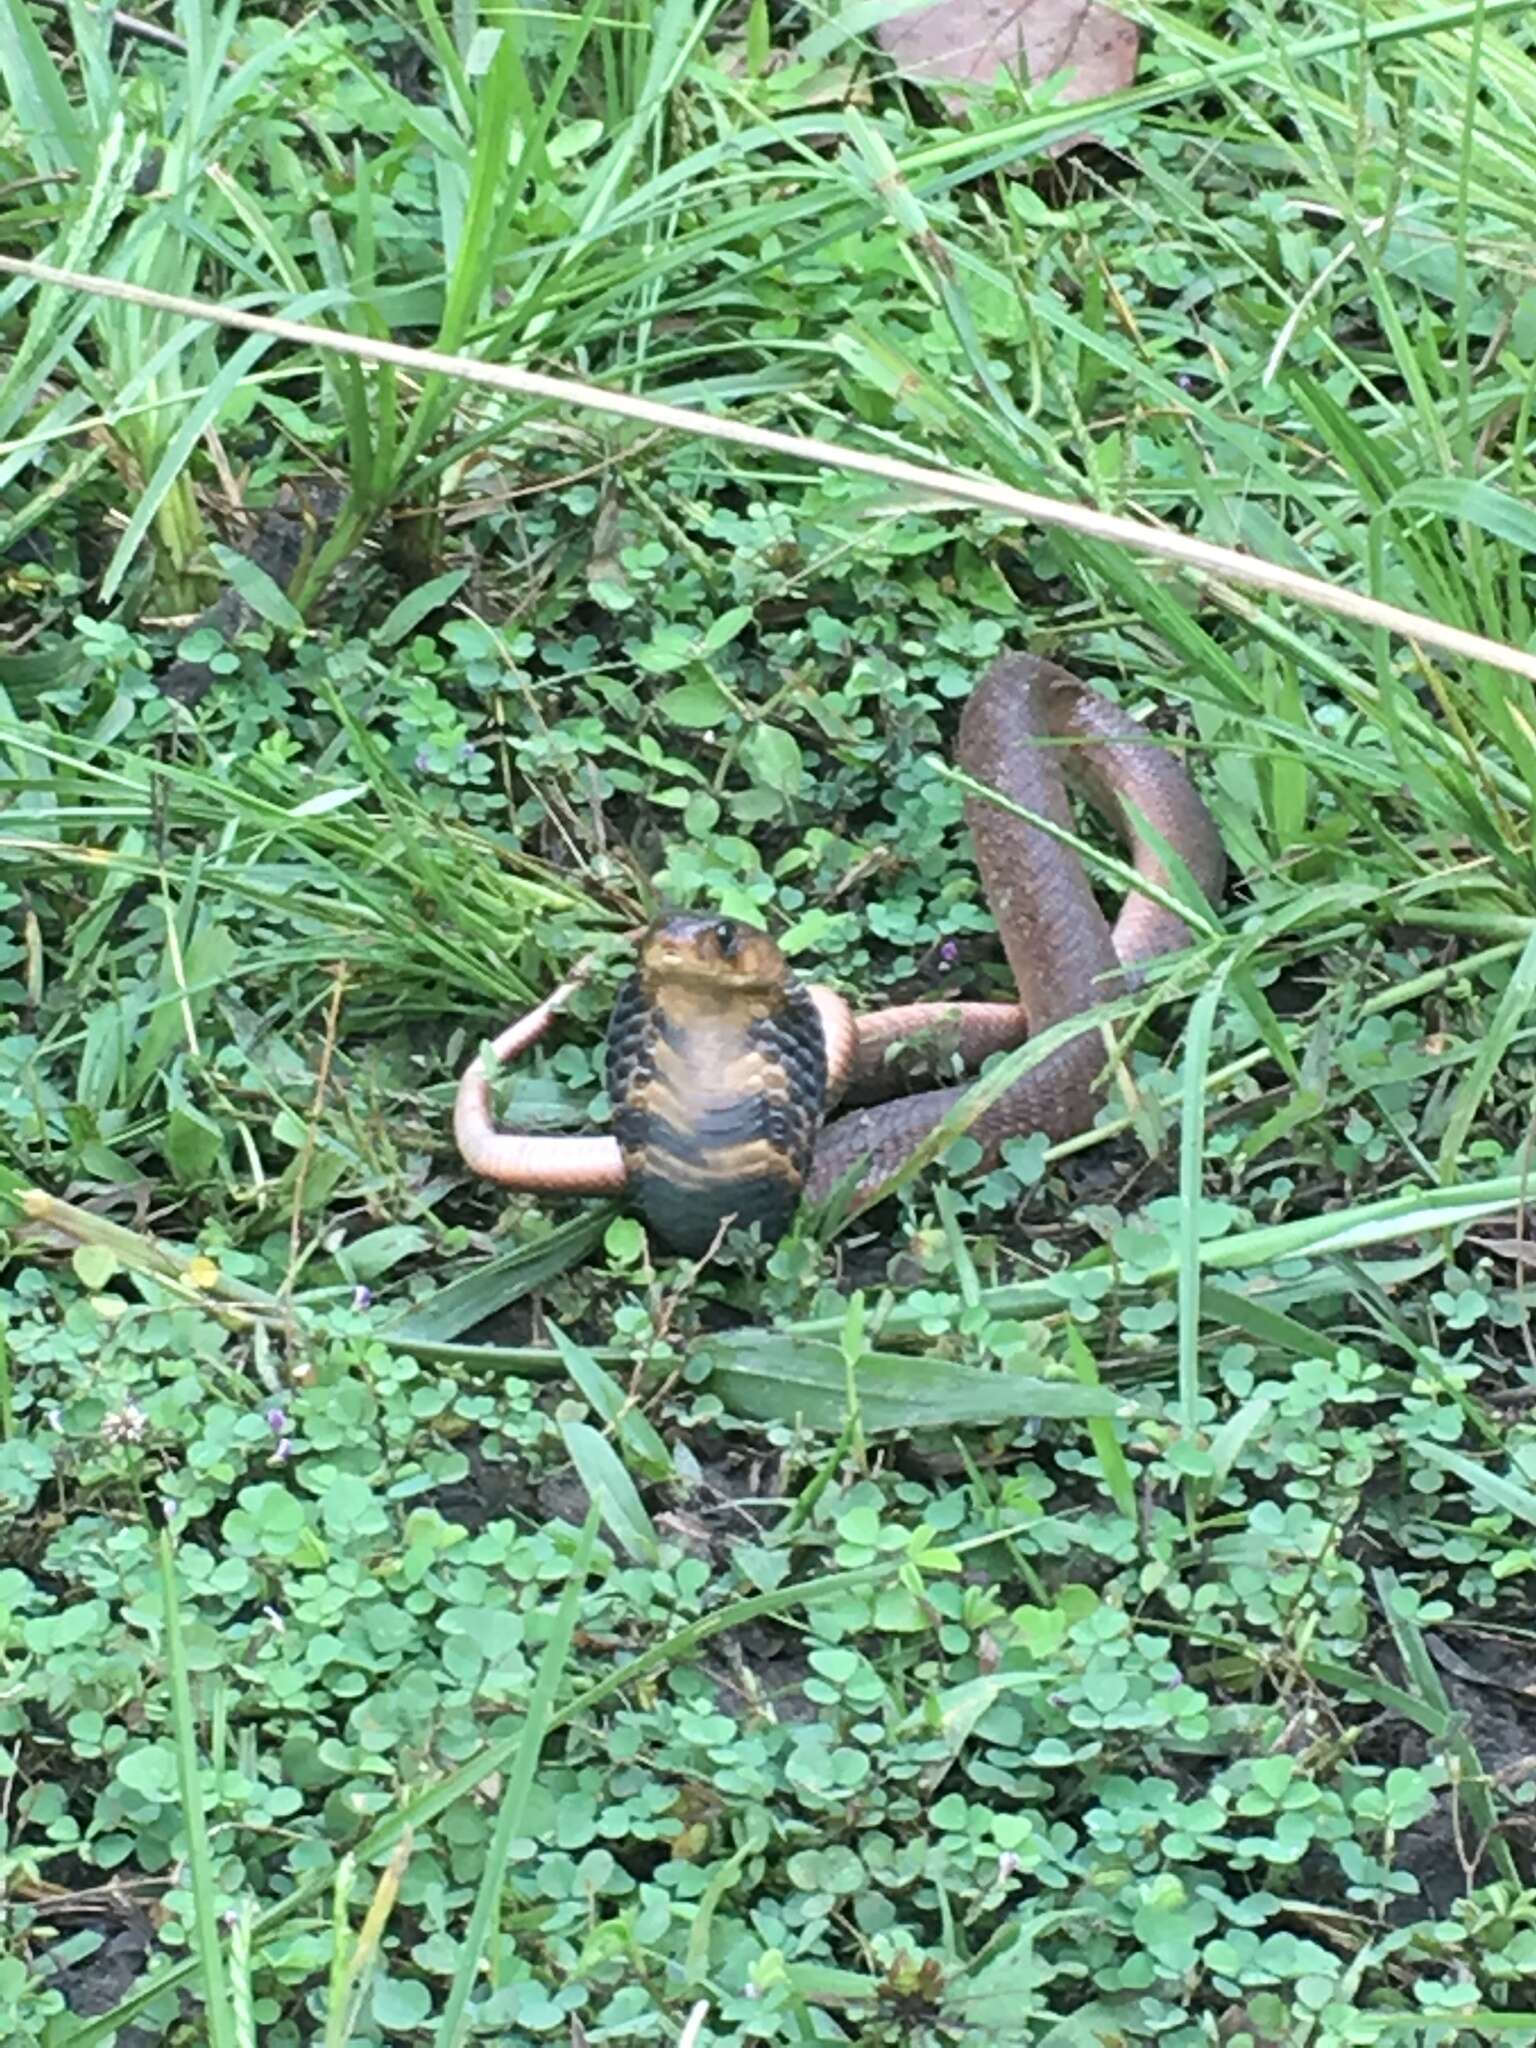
(721, 1063)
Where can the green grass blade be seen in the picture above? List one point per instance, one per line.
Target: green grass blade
(1499, 1494)
(1513, 1007)
(195, 420)
(1102, 1431)
(1197, 1059)
(208, 1947)
(45, 116)
(1472, 1785)
(521, 1765)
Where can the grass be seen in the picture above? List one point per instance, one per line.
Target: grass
(1086, 1601)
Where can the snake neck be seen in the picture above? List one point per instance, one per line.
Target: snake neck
(717, 1098)
(711, 1023)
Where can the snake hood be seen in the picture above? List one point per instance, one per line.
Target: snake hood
(717, 1071)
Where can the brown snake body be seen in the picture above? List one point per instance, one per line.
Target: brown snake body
(721, 1062)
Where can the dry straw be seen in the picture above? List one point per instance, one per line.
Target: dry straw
(1209, 561)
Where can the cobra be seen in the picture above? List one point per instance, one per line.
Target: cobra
(722, 1064)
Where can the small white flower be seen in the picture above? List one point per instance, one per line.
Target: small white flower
(126, 1425)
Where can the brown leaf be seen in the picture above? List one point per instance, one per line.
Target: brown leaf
(970, 42)
(1522, 1250)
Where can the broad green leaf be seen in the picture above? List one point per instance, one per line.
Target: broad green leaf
(507, 1277)
(696, 705)
(95, 1265)
(574, 140)
(373, 1254)
(191, 1143)
(779, 1377)
(612, 1491)
(417, 605)
(259, 590)
(722, 631)
(636, 1432)
(772, 757)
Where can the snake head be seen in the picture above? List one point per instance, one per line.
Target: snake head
(711, 955)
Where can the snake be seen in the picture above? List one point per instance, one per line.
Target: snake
(722, 1064)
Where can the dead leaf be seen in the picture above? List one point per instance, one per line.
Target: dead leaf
(969, 42)
(1522, 1250)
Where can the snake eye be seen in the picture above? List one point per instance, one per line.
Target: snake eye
(725, 939)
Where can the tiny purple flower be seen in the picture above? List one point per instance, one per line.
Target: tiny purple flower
(362, 1297)
(949, 953)
(277, 1421)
